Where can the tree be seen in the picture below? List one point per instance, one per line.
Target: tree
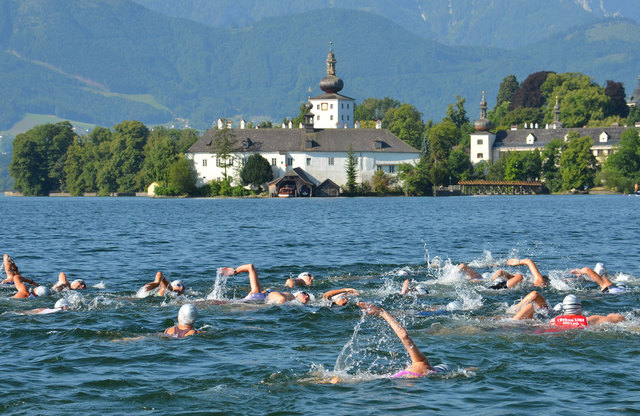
(373, 109)
(406, 123)
(256, 171)
(617, 102)
(127, 155)
(442, 137)
(382, 183)
(224, 144)
(38, 158)
(160, 153)
(522, 166)
(300, 118)
(497, 169)
(522, 115)
(634, 116)
(182, 177)
(508, 88)
(550, 165)
(457, 114)
(415, 178)
(351, 170)
(460, 165)
(529, 93)
(577, 164)
(626, 158)
(580, 99)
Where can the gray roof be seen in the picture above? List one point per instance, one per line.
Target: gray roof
(518, 138)
(297, 140)
(331, 96)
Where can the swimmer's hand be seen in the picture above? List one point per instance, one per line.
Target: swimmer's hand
(370, 308)
(351, 291)
(577, 272)
(513, 262)
(227, 271)
(151, 286)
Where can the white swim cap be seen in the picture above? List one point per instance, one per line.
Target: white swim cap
(600, 269)
(571, 305)
(420, 290)
(41, 291)
(303, 275)
(187, 314)
(177, 284)
(62, 303)
(78, 281)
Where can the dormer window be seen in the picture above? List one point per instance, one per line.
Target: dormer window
(604, 137)
(246, 143)
(379, 144)
(531, 139)
(309, 144)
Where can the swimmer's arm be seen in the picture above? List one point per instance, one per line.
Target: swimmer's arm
(417, 357)
(600, 280)
(612, 318)
(20, 287)
(253, 276)
(347, 290)
(538, 279)
(501, 274)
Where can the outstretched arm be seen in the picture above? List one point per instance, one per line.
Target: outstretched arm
(525, 308)
(419, 362)
(23, 292)
(538, 279)
(253, 276)
(347, 290)
(471, 274)
(602, 281)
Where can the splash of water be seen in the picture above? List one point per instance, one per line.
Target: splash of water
(219, 287)
(345, 360)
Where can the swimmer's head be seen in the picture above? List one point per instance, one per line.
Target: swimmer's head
(600, 269)
(419, 290)
(41, 291)
(78, 284)
(571, 305)
(187, 314)
(177, 286)
(307, 277)
(62, 304)
(340, 299)
(302, 297)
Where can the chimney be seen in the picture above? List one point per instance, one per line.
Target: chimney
(378, 124)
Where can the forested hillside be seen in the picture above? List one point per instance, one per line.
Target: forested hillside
(104, 62)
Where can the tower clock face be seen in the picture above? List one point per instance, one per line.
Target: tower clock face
(325, 106)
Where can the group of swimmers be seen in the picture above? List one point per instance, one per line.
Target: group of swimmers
(570, 313)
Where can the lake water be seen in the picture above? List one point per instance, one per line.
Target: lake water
(104, 356)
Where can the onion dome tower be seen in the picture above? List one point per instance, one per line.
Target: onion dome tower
(331, 109)
(331, 84)
(483, 123)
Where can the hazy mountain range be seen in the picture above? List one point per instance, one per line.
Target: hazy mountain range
(103, 62)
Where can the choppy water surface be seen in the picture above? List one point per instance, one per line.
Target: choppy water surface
(104, 356)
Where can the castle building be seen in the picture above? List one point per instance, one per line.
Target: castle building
(489, 147)
(316, 153)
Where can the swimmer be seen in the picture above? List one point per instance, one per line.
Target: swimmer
(471, 274)
(60, 305)
(606, 286)
(62, 283)
(303, 279)
(506, 280)
(538, 279)
(11, 270)
(187, 316)
(23, 292)
(161, 284)
(571, 312)
(338, 297)
(408, 289)
(420, 365)
(257, 294)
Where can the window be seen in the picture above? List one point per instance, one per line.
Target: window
(330, 160)
(308, 161)
(331, 117)
(347, 118)
(480, 156)
(317, 117)
(341, 105)
(343, 117)
(347, 105)
(204, 162)
(289, 161)
(274, 161)
(243, 161)
(479, 141)
(331, 106)
(392, 169)
(220, 163)
(318, 107)
(379, 168)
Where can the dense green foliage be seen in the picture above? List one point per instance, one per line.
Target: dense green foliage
(350, 171)
(52, 157)
(256, 171)
(622, 168)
